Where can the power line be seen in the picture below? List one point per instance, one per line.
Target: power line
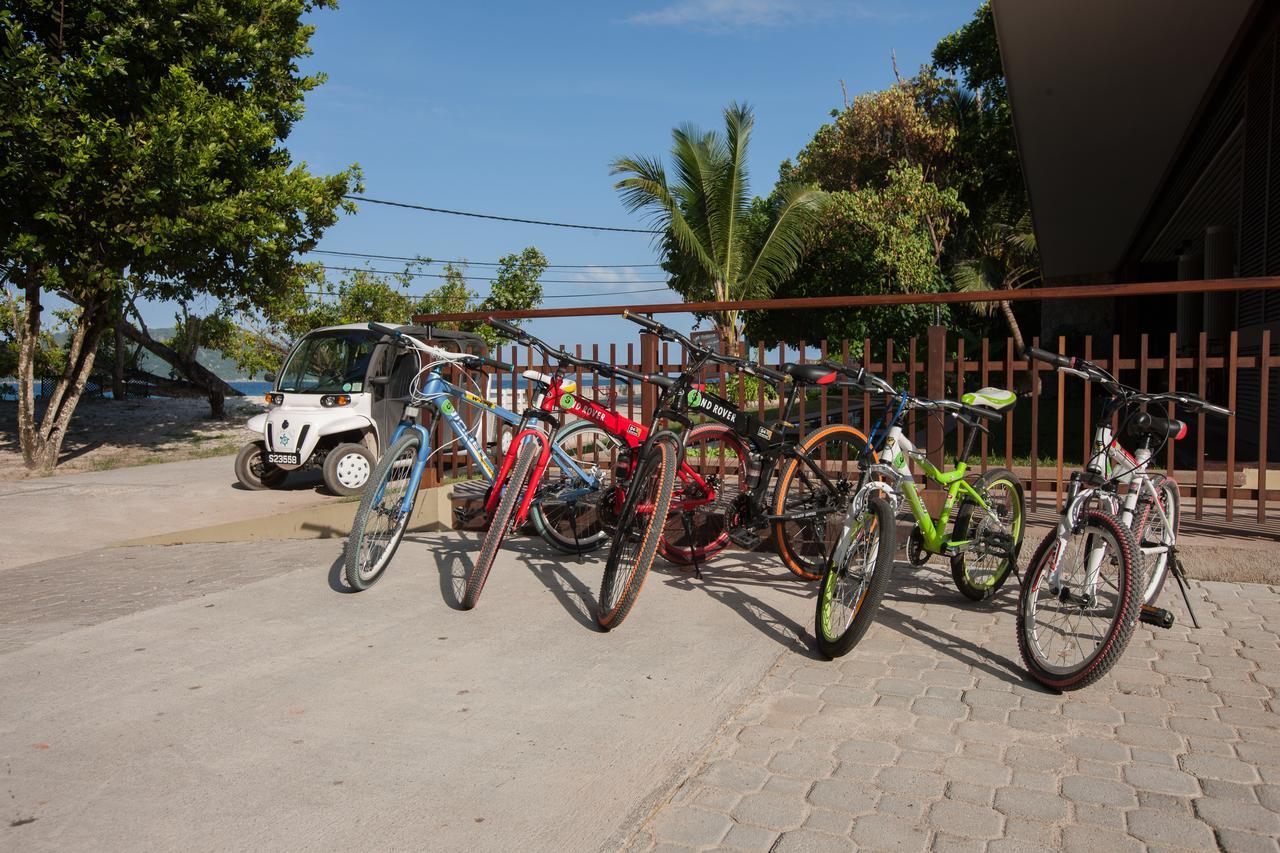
(422, 259)
(478, 278)
(554, 296)
(368, 200)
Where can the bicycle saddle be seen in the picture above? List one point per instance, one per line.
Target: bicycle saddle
(996, 399)
(810, 374)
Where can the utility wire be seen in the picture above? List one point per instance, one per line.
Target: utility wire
(478, 278)
(553, 296)
(367, 200)
(428, 259)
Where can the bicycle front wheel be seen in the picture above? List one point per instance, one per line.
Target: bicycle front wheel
(382, 518)
(644, 512)
(814, 504)
(993, 534)
(567, 512)
(1073, 627)
(697, 524)
(855, 580)
(513, 487)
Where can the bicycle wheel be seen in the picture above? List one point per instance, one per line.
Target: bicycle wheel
(1071, 636)
(567, 512)
(380, 520)
(981, 568)
(644, 512)
(697, 528)
(855, 580)
(817, 507)
(1156, 536)
(512, 488)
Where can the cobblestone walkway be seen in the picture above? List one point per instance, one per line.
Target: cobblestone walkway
(928, 736)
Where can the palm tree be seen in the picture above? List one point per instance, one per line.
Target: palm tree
(703, 213)
(1005, 258)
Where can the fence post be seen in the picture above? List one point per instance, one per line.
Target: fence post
(935, 389)
(648, 364)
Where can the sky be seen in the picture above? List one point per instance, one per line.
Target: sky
(518, 108)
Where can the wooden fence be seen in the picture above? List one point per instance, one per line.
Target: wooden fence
(1043, 438)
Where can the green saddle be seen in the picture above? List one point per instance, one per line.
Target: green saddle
(990, 398)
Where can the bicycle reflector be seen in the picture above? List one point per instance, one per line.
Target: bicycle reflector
(331, 400)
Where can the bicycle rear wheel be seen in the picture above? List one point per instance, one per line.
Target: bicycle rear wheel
(380, 520)
(816, 506)
(697, 529)
(567, 512)
(982, 567)
(855, 580)
(512, 488)
(644, 512)
(1156, 537)
(1071, 635)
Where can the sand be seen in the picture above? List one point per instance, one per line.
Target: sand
(108, 434)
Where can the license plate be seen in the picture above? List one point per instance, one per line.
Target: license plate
(282, 458)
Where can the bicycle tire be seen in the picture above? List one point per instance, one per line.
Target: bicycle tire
(707, 530)
(516, 483)
(980, 587)
(1116, 636)
(1156, 574)
(626, 568)
(363, 572)
(800, 546)
(835, 643)
(548, 515)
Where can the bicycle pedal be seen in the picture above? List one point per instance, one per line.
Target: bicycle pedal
(1157, 616)
(746, 539)
(463, 516)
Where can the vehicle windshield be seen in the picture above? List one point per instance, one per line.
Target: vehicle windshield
(329, 363)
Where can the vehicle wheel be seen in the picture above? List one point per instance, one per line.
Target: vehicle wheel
(855, 580)
(567, 512)
(514, 486)
(978, 573)
(805, 542)
(254, 472)
(1070, 637)
(1153, 532)
(644, 512)
(382, 518)
(347, 469)
(696, 529)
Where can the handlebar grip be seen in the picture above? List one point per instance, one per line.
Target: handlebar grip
(385, 329)
(1050, 357)
(1219, 410)
(768, 372)
(508, 329)
(652, 325)
(495, 364)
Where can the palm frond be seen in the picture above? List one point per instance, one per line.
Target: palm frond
(735, 199)
(645, 188)
(695, 155)
(799, 209)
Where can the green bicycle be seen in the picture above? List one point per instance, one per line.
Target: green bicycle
(985, 515)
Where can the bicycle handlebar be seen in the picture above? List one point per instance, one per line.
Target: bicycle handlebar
(1056, 359)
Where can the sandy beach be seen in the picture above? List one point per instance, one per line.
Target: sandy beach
(107, 434)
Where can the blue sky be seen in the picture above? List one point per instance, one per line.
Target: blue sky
(518, 108)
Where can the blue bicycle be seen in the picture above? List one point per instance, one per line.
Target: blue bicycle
(582, 462)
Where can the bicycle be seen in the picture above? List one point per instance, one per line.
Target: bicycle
(812, 477)
(1097, 531)
(988, 522)
(386, 505)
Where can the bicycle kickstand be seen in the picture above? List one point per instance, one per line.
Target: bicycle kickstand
(688, 534)
(1184, 586)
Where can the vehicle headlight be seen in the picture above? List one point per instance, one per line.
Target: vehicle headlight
(331, 400)
(274, 399)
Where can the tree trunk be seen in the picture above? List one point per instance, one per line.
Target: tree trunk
(1013, 325)
(192, 370)
(28, 346)
(117, 371)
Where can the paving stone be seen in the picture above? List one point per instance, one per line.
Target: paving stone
(943, 744)
(734, 776)
(840, 694)
(1162, 828)
(968, 792)
(808, 841)
(691, 826)
(1163, 779)
(965, 819)
(1093, 713)
(1215, 767)
(1098, 816)
(843, 796)
(883, 832)
(1016, 845)
(744, 836)
(806, 765)
(1095, 749)
(1152, 756)
(1149, 737)
(1021, 802)
(867, 752)
(771, 809)
(906, 806)
(715, 798)
(1259, 753)
(1091, 839)
(1082, 789)
(908, 781)
(1238, 791)
(1269, 796)
(943, 843)
(1228, 814)
(1234, 841)
(1171, 803)
(1035, 721)
(1031, 758)
(976, 770)
(1030, 833)
(898, 687)
(827, 820)
(980, 698)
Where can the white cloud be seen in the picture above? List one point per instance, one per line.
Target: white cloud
(741, 14)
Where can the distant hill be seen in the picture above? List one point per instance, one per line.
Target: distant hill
(223, 368)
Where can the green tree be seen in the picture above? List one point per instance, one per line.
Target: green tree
(703, 214)
(140, 156)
